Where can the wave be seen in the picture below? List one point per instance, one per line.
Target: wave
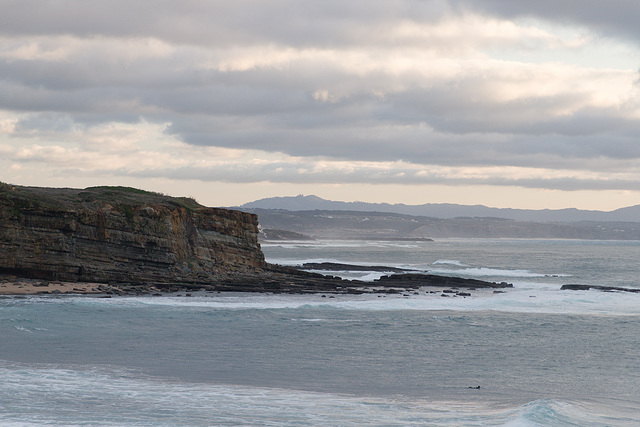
(449, 262)
(463, 271)
(557, 413)
(495, 272)
(362, 275)
(67, 395)
(523, 298)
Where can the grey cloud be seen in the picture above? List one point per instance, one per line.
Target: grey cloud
(361, 127)
(288, 22)
(284, 172)
(416, 145)
(94, 84)
(97, 69)
(616, 18)
(467, 106)
(222, 23)
(455, 123)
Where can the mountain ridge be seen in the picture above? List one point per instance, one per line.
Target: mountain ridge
(446, 210)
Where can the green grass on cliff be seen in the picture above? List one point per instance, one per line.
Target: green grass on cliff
(122, 190)
(125, 198)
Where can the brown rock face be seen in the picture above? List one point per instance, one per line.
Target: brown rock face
(118, 234)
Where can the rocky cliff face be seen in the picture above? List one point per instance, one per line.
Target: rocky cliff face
(117, 234)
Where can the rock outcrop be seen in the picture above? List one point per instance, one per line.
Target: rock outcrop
(336, 266)
(119, 234)
(431, 280)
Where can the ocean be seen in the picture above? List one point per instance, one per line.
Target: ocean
(534, 355)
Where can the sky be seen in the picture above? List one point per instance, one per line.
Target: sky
(505, 103)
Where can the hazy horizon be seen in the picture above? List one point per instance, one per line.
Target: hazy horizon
(354, 202)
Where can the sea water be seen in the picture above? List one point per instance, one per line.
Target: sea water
(539, 355)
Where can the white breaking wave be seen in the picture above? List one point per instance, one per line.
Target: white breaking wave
(523, 298)
(489, 272)
(449, 262)
(365, 276)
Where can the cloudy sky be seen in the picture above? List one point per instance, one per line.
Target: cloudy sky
(507, 103)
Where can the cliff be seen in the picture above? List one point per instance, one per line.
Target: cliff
(118, 234)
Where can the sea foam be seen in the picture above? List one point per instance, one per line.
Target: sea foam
(523, 298)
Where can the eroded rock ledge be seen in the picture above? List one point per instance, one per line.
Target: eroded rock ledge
(431, 280)
(335, 266)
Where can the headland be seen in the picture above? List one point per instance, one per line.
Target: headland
(123, 241)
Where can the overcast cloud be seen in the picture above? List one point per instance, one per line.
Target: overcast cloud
(539, 95)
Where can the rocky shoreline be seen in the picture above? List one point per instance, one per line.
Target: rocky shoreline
(275, 279)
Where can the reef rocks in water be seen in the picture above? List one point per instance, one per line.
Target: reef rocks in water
(431, 280)
(335, 266)
(574, 287)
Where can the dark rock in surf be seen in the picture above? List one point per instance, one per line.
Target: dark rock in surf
(430, 280)
(335, 266)
(573, 287)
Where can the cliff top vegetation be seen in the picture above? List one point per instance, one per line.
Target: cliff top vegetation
(70, 198)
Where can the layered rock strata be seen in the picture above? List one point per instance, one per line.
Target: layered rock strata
(115, 234)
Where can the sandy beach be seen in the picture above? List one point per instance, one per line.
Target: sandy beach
(34, 287)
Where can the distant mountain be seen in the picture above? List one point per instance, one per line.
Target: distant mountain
(279, 224)
(446, 210)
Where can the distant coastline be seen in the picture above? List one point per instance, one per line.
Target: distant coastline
(355, 225)
(446, 210)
